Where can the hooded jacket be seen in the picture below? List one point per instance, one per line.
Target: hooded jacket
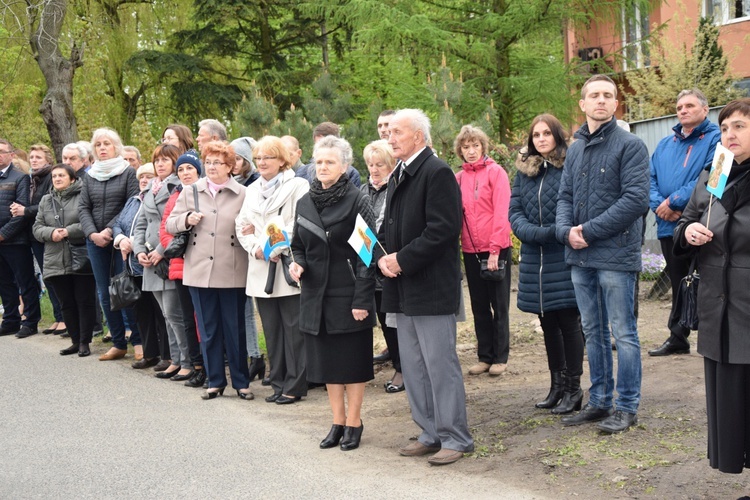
(675, 166)
(485, 195)
(544, 282)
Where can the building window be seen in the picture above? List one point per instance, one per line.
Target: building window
(726, 11)
(636, 28)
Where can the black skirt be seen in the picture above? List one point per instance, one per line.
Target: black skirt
(343, 358)
(728, 408)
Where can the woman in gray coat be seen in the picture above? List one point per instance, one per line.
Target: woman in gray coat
(58, 227)
(150, 255)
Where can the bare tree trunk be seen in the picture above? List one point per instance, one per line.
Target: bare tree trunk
(57, 106)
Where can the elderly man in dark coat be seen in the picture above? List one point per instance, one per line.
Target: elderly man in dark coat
(420, 231)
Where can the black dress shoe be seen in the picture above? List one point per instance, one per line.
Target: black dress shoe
(162, 365)
(618, 422)
(273, 397)
(64, 335)
(333, 437)
(248, 396)
(213, 393)
(69, 350)
(9, 330)
(588, 414)
(166, 374)
(84, 351)
(266, 381)
(25, 331)
(145, 363)
(670, 347)
(287, 400)
(199, 377)
(187, 376)
(383, 357)
(352, 436)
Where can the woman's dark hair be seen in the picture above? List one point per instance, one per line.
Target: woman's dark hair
(183, 134)
(741, 106)
(558, 133)
(68, 170)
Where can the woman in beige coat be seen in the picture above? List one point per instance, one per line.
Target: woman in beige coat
(275, 196)
(216, 268)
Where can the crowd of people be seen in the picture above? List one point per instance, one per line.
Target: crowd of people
(260, 231)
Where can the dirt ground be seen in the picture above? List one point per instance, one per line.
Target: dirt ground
(664, 456)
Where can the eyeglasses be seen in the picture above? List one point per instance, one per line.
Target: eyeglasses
(214, 163)
(264, 158)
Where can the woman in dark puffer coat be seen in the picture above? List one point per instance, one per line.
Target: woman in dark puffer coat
(545, 287)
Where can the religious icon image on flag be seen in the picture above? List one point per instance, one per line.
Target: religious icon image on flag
(363, 240)
(276, 236)
(720, 167)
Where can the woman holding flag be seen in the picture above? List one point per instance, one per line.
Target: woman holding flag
(264, 228)
(714, 225)
(334, 266)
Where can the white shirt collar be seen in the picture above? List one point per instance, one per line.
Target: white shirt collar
(412, 157)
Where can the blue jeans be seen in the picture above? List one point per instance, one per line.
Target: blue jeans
(101, 260)
(607, 298)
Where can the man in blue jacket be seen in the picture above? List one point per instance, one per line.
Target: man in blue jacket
(675, 166)
(16, 265)
(603, 194)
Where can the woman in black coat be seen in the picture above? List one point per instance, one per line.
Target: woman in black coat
(544, 286)
(722, 245)
(337, 308)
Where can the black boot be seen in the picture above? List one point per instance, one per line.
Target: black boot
(333, 437)
(572, 397)
(257, 368)
(555, 391)
(351, 438)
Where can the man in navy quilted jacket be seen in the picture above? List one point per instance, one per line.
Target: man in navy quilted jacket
(16, 265)
(603, 194)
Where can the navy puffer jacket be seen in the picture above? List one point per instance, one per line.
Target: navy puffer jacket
(544, 282)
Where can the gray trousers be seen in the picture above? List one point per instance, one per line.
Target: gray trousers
(251, 331)
(434, 381)
(285, 343)
(169, 302)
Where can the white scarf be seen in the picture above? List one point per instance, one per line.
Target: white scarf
(104, 170)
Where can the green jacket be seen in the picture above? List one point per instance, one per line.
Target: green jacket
(57, 260)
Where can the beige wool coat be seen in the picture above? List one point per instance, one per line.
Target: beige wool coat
(214, 258)
(258, 211)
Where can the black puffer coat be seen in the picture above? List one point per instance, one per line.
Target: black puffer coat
(14, 188)
(544, 277)
(101, 202)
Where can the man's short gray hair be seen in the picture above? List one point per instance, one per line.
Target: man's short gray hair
(695, 92)
(133, 149)
(215, 128)
(417, 119)
(341, 145)
(82, 153)
(89, 150)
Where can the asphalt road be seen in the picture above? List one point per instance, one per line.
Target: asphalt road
(79, 428)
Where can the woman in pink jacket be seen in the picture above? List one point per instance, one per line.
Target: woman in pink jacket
(485, 242)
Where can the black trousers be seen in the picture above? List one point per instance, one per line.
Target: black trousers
(17, 274)
(677, 268)
(151, 325)
(38, 250)
(286, 344)
(188, 319)
(490, 301)
(563, 340)
(390, 334)
(77, 296)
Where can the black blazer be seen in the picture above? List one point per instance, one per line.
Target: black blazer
(422, 224)
(335, 280)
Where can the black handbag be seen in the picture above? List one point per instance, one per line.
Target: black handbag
(484, 273)
(79, 255)
(179, 244)
(687, 298)
(123, 290)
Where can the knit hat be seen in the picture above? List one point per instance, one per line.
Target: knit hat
(244, 147)
(190, 156)
(146, 168)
